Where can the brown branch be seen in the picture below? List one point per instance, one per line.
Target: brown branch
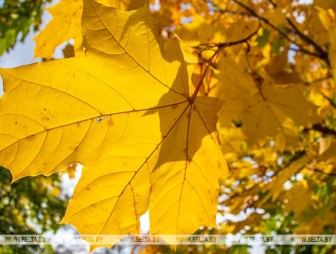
(228, 44)
(325, 131)
(321, 53)
(272, 3)
(332, 103)
(305, 51)
(263, 19)
(266, 21)
(324, 173)
(318, 80)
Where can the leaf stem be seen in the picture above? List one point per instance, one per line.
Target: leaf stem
(192, 98)
(321, 53)
(324, 173)
(230, 43)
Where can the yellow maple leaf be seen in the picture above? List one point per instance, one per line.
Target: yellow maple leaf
(273, 111)
(65, 25)
(298, 199)
(124, 111)
(317, 25)
(276, 186)
(327, 154)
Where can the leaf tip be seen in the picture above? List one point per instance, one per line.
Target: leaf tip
(63, 221)
(14, 178)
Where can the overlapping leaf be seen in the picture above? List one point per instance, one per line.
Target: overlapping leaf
(64, 26)
(261, 108)
(124, 111)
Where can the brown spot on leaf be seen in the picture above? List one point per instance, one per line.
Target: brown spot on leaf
(45, 117)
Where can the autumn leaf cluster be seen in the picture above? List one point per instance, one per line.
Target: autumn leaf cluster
(156, 99)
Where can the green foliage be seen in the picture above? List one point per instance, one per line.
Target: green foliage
(262, 40)
(16, 18)
(29, 206)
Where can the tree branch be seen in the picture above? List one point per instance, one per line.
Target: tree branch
(324, 173)
(228, 44)
(332, 103)
(272, 3)
(266, 21)
(322, 129)
(318, 80)
(321, 53)
(263, 19)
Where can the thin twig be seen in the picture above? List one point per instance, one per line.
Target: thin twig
(318, 80)
(324, 173)
(322, 54)
(228, 44)
(263, 19)
(332, 103)
(266, 21)
(303, 50)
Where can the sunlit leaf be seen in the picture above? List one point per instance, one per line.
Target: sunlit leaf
(64, 26)
(144, 141)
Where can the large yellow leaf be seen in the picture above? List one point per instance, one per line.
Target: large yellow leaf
(144, 140)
